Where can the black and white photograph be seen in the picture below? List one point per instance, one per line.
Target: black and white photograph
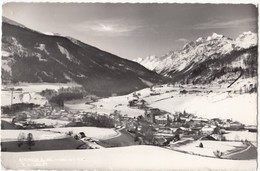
(129, 86)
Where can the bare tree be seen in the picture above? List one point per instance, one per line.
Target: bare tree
(21, 138)
(30, 140)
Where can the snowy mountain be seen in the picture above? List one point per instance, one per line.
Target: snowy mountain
(246, 40)
(208, 58)
(31, 56)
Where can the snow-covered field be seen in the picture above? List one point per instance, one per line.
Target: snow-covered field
(93, 132)
(58, 133)
(108, 106)
(48, 122)
(242, 108)
(122, 158)
(216, 104)
(12, 135)
(30, 92)
(209, 147)
(51, 122)
(241, 135)
(22, 97)
(38, 87)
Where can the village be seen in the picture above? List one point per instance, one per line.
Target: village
(131, 119)
(156, 126)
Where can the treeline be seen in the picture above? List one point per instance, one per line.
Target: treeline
(63, 94)
(98, 121)
(60, 98)
(95, 121)
(18, 107)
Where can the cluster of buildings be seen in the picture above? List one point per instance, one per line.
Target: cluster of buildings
(187, 125)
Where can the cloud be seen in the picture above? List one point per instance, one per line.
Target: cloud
(225, 24)
(182, 40)
(116, 27)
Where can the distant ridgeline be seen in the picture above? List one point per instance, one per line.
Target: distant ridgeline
(216, 59)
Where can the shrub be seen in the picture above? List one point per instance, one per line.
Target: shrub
(76, 137)
(218, 153)
(70, 133)
(201, 145)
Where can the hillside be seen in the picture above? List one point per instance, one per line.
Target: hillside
(34, 57)
(214, 59)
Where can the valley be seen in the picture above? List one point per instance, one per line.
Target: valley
(67, 104)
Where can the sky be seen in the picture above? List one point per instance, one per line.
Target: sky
(135, 30)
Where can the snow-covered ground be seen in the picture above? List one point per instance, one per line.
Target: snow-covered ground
(12, 135)
(122, 158)
(212, 102)
(22, 97)
(241, 135)
(242, 108)
(58, 133)
(93, 132)
(51, 122)
(209, 147)
(108, 106)
(48, 122)
(30, 92)
(38, 87)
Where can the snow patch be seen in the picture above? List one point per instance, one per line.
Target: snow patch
(146, 82)
(65, 52)
(42, 47)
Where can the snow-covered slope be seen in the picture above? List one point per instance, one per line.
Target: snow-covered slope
(246, 40)
(206, 102)
(208, 52)
(123, 158)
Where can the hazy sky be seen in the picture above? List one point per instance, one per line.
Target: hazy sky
(135, 30)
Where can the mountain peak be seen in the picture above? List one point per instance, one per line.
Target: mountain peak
(200, 39)
(193, 52)
(215, 36)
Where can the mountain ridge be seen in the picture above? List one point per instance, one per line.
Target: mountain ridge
(151, 62)
(30, 56)
(208, 51)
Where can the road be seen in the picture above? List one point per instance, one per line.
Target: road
(125, 139)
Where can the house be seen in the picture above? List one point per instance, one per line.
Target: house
(234, 125)
(208, 129)
(161, 119)
(196, 122)
(154, 94)
(165, 132)
(164, 119)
